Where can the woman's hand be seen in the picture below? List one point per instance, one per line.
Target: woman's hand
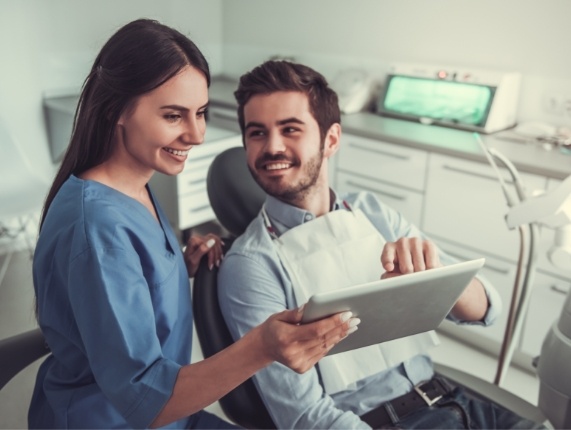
(197, 247)
(300, 346)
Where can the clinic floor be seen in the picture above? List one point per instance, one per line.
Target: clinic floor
(16, 298)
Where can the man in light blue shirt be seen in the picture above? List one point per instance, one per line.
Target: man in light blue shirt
(291, 126)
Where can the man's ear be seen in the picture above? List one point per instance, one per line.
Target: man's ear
(332, 140)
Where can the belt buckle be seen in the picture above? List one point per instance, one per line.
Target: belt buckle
(424, 395)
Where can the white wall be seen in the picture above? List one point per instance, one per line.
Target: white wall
(50, 45)
(529, 36)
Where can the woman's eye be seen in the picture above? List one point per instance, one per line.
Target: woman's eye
(172, 117)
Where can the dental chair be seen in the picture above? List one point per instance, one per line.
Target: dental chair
(18, 352)
(236, 200)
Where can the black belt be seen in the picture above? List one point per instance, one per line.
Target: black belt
(424, 394)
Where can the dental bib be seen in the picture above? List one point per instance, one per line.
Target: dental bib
(339, 250)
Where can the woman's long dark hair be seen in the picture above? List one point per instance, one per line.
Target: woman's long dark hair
(138, 58)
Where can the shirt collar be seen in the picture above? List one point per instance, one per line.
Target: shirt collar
(286, 216)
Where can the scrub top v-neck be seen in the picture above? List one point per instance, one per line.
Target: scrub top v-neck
(114, 306)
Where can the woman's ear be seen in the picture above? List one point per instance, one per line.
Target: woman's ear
(332, 140)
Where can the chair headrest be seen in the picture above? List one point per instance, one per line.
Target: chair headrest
(234, 195)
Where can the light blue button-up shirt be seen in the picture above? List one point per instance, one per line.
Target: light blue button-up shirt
(252, 285)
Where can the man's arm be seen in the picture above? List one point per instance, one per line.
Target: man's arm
(480, 302)
(249, 292)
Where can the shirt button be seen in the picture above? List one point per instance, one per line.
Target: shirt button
(308, 217)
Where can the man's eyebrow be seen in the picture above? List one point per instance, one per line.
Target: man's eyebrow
(288, 120)
(252, 124)
(280, 122)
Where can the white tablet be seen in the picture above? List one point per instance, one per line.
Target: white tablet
(395, 307)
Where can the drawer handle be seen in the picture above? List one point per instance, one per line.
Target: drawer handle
(196, 181)
(375, 190)
(200, 208)
(379, 151)
(560, 290)
(496, 269)
(201, 157)
(487, 266)
(470, 173)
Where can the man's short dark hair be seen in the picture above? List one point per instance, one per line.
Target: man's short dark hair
(273, 76)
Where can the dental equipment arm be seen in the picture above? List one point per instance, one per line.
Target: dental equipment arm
(552, 209)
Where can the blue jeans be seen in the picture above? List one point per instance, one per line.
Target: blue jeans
(458, 411)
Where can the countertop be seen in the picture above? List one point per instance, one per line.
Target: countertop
(527, 157)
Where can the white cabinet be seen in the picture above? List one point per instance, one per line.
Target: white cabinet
(465, 205)
(464, 211)
(546, 302)
(395, 174)
(502, 275)
(184, 197)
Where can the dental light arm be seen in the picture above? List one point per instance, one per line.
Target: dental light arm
(551, 209)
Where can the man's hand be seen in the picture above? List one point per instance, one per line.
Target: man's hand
(408, 255)
(197, 247)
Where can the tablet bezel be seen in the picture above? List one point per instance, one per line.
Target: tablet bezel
(424, 300)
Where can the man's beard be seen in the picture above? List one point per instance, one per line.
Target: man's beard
(293, 192)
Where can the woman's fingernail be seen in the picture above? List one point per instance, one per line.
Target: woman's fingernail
(346, 315)
(354, 322)
(218, 263)
(210, 243)
(300, 309)
(352, 330)
(210, 267)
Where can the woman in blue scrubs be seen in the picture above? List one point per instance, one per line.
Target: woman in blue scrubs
(112, 285)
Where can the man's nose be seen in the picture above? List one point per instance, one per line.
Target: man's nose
(275, 143)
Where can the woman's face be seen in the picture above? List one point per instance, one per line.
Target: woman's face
(162, 126)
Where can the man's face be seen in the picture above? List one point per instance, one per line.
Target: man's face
(283, 144)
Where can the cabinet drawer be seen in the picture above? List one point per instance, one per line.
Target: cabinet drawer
(402, 166)
(465, 204)
(407, 202)
(194, 209)
(192, 180)
(210, 149)
(545, 305)
(502, 276)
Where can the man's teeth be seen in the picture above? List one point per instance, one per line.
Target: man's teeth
(177, 152)
(277, 166)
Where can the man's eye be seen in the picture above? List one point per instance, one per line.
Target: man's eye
(290, 130)
(255, 133)
(202, 113)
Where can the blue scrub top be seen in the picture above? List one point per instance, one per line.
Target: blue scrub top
(114, 305)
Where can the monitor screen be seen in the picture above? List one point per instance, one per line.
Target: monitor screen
(445, 101)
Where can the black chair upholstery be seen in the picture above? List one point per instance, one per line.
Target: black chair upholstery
(236, 199)
(19, 351)
(234, 195)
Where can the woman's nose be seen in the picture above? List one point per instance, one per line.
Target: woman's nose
(193, 133)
